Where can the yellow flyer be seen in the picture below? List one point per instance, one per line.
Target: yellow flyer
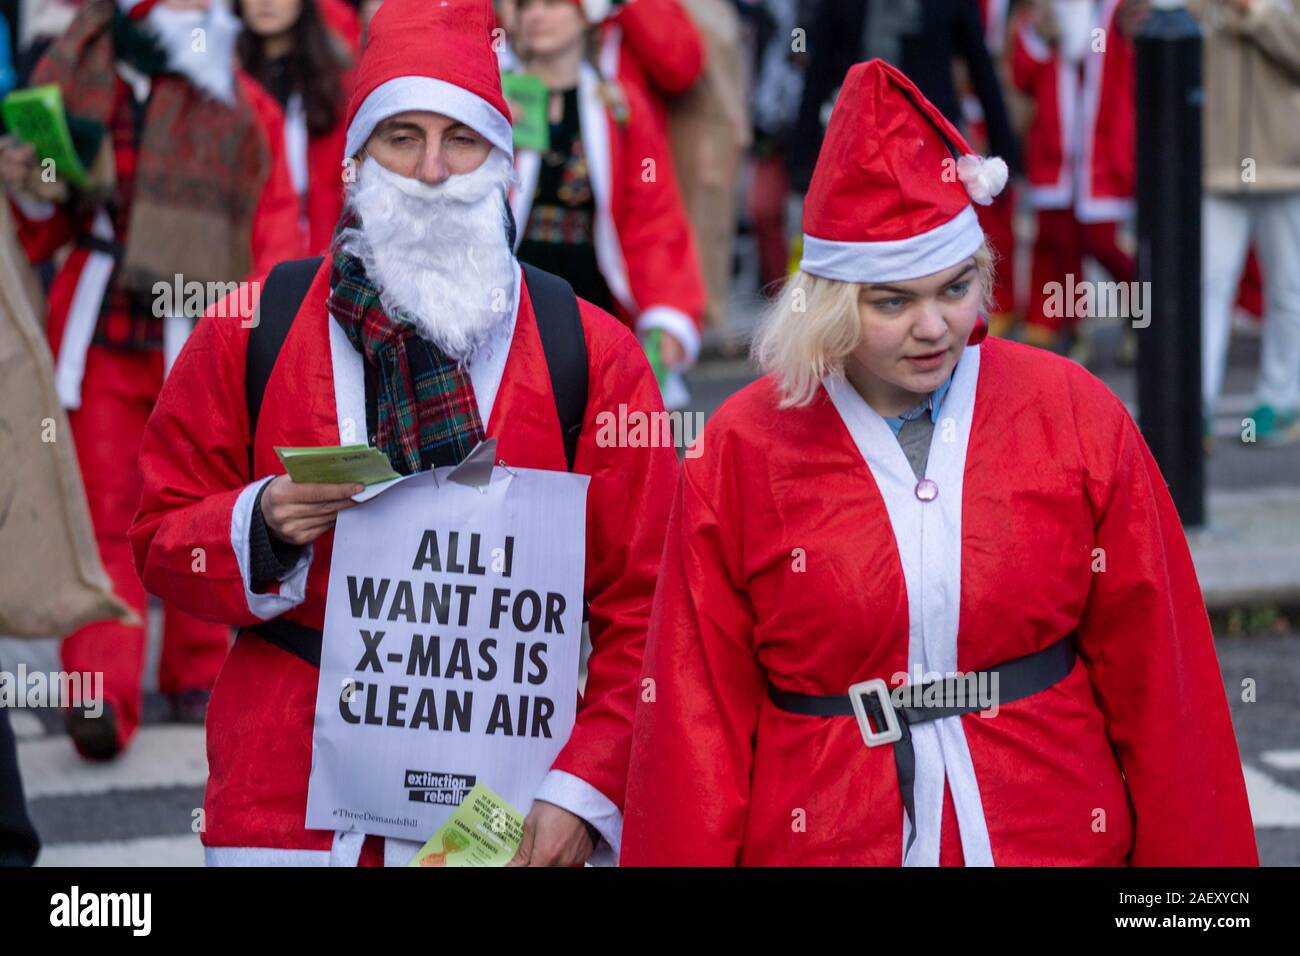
(483, 831)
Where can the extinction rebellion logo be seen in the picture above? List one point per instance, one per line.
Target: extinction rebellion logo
(432, 786)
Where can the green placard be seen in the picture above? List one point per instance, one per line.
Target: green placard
(529, 97)
(36, 116)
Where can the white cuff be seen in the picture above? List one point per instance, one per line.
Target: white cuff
(37, 210)
(293, 586)
(582, 799)
(262, 856)
(677, 323)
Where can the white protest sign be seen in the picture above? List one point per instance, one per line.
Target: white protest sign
(450, 648)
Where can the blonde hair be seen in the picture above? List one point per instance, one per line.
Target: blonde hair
(808, 332)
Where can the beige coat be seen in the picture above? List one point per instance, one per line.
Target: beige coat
(1252, 95)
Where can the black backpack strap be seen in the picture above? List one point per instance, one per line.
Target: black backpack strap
(560, 325)
(282, 294)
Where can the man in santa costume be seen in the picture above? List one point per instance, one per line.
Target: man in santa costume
(188, 185)
(1075, 60)
(952, 617)
(417, 334)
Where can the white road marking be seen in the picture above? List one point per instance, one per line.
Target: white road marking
(164, 756)
(150, 851)
(1282, 759)
(25, 724)
(1271, 803)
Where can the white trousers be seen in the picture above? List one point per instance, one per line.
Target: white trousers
(1229, 225)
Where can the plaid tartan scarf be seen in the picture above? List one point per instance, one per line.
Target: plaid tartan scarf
(428, 415)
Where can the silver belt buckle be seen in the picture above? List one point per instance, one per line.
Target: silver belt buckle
(875, 738)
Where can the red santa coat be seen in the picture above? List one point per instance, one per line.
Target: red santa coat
(1130, 758)
(79, 286)
(643, 240)
(654, 46)
(198, 491)
(1078, 155)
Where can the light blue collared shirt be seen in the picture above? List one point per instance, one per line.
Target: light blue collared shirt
(931, 401)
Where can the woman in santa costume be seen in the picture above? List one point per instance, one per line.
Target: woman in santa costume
(897, 503)
(163, 206)
(400, 341)
(1071, 57)
(601, 208)
(304, 61)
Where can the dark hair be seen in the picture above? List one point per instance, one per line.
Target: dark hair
(316, 65)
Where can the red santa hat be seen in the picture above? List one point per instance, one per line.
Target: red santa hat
(890, 199)
(433, 55)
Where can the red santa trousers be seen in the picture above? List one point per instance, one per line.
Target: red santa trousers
(117, 394)
(1059, 250)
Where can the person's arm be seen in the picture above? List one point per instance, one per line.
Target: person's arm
(1274, 28)
(702, 689)
(970, 43)
(42, 226)
(663, 266)
(1145, 638)
(627, 511)
(665, 42)
(191, 535)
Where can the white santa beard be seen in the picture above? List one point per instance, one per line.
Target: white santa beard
(212, 67)
(438, 255)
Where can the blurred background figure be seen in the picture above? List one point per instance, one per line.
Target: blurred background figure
(1252, 196)
(922, 38)
(162, 203)
(778, 62)
(710, 133)
(998, 218)
(1071, 57)
(601, 206)
(300, 51)
(652, 45)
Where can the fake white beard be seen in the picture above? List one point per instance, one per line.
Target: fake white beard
(438, 255)
(206, 58)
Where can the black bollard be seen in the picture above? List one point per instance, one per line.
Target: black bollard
(1169, 251)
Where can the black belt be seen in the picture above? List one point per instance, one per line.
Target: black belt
(95, 244)
(298, 639)
(1017, 679)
